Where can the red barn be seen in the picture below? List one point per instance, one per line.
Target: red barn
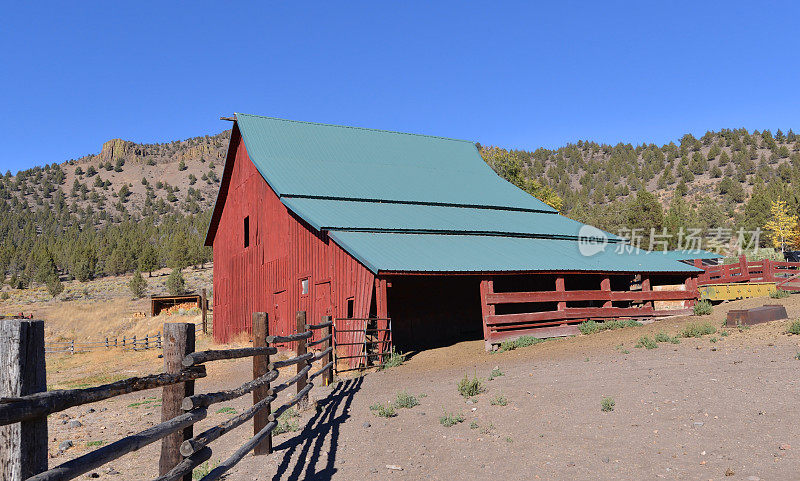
(362, 223)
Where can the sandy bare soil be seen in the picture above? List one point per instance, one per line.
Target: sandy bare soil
(694, 410)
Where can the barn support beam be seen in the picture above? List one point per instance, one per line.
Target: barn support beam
(560, 287)
(382, 305)
(487, 310)
(605, 286)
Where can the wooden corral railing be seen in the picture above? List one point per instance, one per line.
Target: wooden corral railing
(786, 275)
(25, 403)
(364, 342)
(549, 322)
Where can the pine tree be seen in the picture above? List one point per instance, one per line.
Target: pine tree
(138, 285)
(175, 284)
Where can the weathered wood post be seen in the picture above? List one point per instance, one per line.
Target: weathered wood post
(260, 366)
(302, 349)
(72, 346)
(106, 343)
(23, 446)
(204, 310)
(327, 376)
(134, 343)
(178, 342)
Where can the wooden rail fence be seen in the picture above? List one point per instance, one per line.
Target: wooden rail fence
(151, 341)
(786, 275)
(25, 403)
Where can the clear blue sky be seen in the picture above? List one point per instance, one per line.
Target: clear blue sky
(516, 74)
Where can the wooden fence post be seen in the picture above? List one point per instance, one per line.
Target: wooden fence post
(302, 349)
(178, 342)
(327, 376)
(23, 446)
(204, 310)
(260, 363)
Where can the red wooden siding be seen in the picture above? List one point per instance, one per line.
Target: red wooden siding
(283, 250)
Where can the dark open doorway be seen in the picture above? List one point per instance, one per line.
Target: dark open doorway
(434, 311)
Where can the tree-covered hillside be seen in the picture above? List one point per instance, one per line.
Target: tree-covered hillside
(722, 180)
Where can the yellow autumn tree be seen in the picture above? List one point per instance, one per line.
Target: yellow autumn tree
(783, 226)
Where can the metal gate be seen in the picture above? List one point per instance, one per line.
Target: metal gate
(364, 343)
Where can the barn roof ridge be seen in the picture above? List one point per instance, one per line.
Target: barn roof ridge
(323, 124)
(416, 202)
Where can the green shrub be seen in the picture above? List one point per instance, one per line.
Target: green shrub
(797, 356)
(226, 410)
(175, 284)
(496, 372)
(607, 404)
(383, 410)
(646, 342)
(473, 425)
(393, 360)
(588, 327)
(664, 337)
(55, 287)
(405, 400)
(202, 471)
(794, 327)
(500, 400)
(779, 294)
(469, 388)
(450, 419)
(137, 285)
(287, 422)
(703, 308)
(522, 341)
(4, 296)
(698, 329)
(725, 333)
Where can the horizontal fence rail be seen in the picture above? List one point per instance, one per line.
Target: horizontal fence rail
(181, 450)
(366, 342)
(786, 275)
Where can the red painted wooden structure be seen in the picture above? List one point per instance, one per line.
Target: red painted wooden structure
(268, 259)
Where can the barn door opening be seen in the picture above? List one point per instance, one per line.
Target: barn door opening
(434, 311)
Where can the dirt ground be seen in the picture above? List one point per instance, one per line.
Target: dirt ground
(716, 407)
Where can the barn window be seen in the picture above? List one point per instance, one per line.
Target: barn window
(350, 308)
(247, 231)
(304, 286)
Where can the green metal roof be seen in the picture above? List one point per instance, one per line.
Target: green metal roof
(331, 161)
(689, 254)
(326, 214)
(414, 203)
(398, 252)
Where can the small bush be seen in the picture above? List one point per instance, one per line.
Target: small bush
(94, 443)
(779, 294)
(496, 372)
(522, 341)
(450, 419)
(469, 388)
(405, 400)
(703, 308)
(500, 400)
(664, 337)
(473, 425)
(713, 339)
(797, 356)
(202, 471)
(4, 296)
(287, 422)
(395, 359)
(697, 329)
(607, 404)
(175, 284)
(226, 410)
(646, 343)
(488, 428)
(588, 327)
(383, 410)
(725, 333)
(794, 328)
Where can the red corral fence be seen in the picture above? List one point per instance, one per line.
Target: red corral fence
(786, 275)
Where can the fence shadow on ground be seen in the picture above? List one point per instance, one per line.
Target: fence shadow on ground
(303, 452)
